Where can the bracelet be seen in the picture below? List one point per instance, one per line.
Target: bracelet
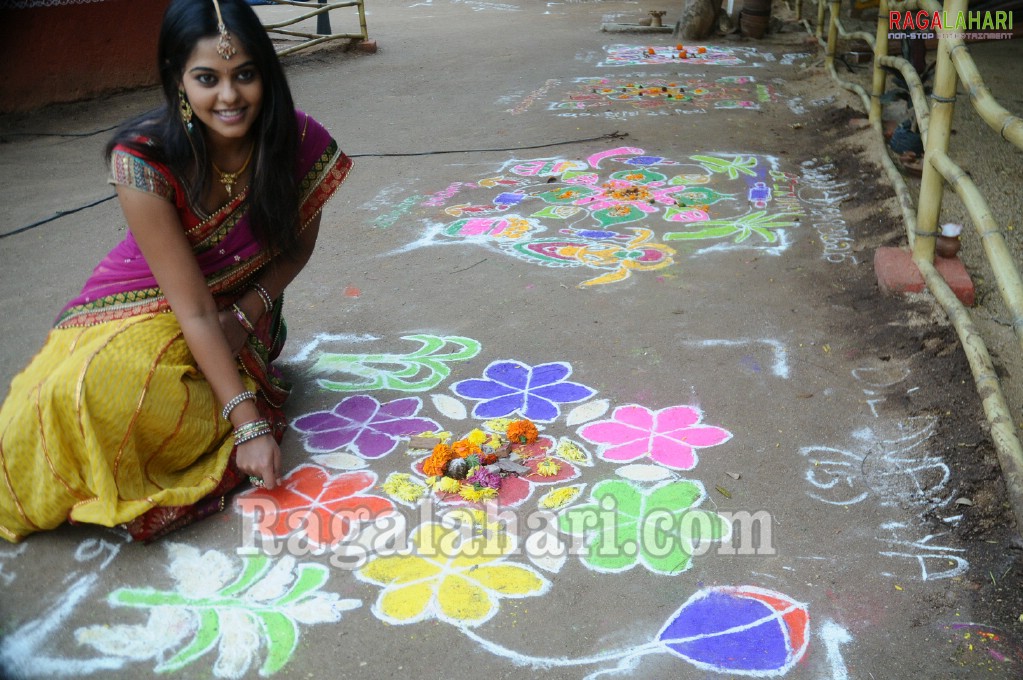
(229, 406)
(238, 441)
(243, 320)
(268, 303)
(252, 430)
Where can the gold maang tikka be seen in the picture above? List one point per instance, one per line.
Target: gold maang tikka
(225, 48)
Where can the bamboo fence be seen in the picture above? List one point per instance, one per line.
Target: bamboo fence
(321, 11)
(921, 217)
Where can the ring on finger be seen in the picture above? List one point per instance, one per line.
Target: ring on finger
(256, 481)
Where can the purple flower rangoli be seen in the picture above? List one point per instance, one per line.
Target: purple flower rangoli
(363, 425)
(535, 392)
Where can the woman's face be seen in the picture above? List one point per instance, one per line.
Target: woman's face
(225, 94)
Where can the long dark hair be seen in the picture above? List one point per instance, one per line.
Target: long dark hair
(274, 193)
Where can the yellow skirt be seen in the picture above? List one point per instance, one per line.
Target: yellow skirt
(105, 423)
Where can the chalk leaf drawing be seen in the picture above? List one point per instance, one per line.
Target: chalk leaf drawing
(731, 167)
(310, 502)
(760, 223)
(450, 577)
(417, 371)
(660, 527)
(668, 436)
(534, 392)
(217, 607)
(363, 425)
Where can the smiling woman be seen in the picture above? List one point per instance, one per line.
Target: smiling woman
(155, 393)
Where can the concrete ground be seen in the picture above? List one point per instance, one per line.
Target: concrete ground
(786, 473)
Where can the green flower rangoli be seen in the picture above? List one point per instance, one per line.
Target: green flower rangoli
(660, 527)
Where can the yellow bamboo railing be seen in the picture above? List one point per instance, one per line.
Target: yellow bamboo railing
(321, 10)
(934, 122)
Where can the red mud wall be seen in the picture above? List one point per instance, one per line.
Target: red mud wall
(68, 52)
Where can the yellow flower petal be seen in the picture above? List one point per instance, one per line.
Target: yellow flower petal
(477, 437)
(481, 550)
(570, 451)
(398, 569)
(559, 498)
(407, 603)
(449, 485)
(464, 601)
(509, 580)
(474, 495)
(499, 425)
(548, 468)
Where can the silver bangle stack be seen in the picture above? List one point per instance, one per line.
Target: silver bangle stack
(251, 430)
(230, 406)
(268, 302)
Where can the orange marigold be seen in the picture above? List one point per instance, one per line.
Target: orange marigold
(522, 432)
(434, 465)
(463, 448)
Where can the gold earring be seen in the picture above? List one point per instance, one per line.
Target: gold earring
(185, 109)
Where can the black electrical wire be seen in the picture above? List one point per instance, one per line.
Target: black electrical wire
(56, 216)
(58, 134)
(611, 135)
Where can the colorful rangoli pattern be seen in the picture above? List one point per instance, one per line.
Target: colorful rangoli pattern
(681, 94)
(620, 211)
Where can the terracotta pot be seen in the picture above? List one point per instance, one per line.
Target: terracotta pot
(947, 246)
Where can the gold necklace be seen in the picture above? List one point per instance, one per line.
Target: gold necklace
(229, 179)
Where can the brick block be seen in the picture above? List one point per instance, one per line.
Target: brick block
(897, 273)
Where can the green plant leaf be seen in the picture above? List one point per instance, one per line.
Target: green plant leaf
(205, 639)
(281, 635)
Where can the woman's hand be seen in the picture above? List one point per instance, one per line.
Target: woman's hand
(260, 457)
(233, 331)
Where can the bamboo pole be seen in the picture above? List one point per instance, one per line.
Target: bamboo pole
(1007, 125)
(820, 19)
(880, 52)
(921, 109)
(1007, 276)
(829, 58)
(902, 192)
(931, 183)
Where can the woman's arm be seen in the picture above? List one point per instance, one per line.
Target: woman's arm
(161, 238)
(274, 279)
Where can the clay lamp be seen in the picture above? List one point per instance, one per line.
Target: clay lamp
(947, 243)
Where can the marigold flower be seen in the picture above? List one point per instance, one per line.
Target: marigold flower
(522, 432)
(435, 464)
(476, 437)
(464, 448)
